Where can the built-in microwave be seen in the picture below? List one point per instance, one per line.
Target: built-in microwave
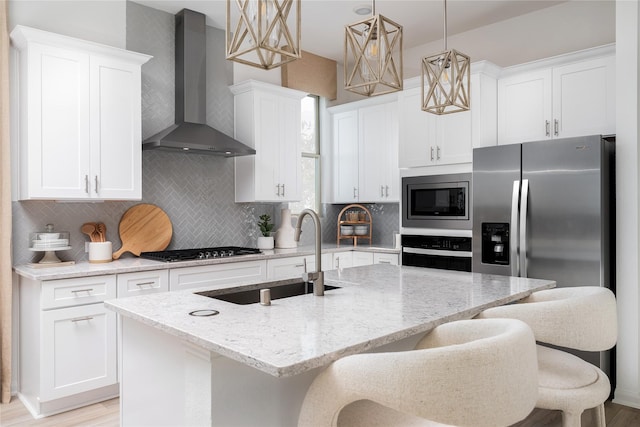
(437, 201)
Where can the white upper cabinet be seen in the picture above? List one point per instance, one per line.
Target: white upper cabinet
(427, 139)
(559, 101)
(78, 118)
(365, 151)
(268, 119)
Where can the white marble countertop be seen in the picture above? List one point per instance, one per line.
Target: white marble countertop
(375, 305)
(130, 264)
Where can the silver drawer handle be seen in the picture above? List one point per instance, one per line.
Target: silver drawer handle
(299, 265)
(82, 319)
(384, 262)
(145, 283)
(82, 290)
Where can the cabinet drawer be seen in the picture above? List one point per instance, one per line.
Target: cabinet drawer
(80, 291)
(142, 283)
(217, 276)
(381, 258)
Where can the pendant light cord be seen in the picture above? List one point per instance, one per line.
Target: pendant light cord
(445, 25)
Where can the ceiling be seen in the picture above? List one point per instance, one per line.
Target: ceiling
(323, 21)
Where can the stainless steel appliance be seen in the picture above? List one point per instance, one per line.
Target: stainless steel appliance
(437, 201)
(200, 253)
(546, 210)
(444, 252)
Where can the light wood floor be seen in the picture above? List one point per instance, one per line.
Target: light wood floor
(106, 414)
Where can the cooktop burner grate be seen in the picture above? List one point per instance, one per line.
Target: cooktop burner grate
(200, 253)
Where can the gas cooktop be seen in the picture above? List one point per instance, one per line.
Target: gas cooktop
(201, 253)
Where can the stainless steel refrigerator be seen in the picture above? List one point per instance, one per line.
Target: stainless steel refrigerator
(546, 210)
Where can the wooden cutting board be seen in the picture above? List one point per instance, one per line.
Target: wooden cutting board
(144, 228)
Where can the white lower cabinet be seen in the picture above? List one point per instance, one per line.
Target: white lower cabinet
(217, 276)
(342, 260)
(67, 343)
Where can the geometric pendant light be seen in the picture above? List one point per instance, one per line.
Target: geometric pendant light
(263, 36)
(446, 79)
(373, 56)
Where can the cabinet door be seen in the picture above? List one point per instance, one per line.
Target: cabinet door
(345, 157)
(524, 107)
(55, 122)
(454, 138)
(78, 350)
(342, 260)
(289, 141)
(116, 135)
(417, 130)
(378, 153)
(584, 98)
(267, 158)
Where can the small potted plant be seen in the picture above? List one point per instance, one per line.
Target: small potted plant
(266, 240)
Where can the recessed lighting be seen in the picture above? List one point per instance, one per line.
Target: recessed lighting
(363, 9)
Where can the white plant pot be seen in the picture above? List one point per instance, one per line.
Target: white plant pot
(265, 242)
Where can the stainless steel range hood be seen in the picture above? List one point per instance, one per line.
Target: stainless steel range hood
(190, 133)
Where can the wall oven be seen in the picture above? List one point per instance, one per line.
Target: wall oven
(437, 201)
(444, 252)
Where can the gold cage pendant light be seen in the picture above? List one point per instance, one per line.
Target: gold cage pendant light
(446, 79)
(264, 35)
(373, 56)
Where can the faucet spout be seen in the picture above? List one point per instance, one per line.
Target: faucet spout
(318, 276)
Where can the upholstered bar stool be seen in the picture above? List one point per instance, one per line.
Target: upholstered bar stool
(582, 318)
(466, 373)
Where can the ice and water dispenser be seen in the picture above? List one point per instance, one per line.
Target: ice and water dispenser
(495, 243)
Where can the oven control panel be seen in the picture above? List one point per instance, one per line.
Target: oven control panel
(447, 243)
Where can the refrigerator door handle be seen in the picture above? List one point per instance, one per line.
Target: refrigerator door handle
(513, 236)
(524, 208)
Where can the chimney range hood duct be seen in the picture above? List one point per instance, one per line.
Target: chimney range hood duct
(190, 133)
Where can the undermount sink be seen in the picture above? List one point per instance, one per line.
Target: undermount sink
(282, 289)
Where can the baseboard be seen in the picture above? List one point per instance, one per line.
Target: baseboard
(629, 398)
(52, 407)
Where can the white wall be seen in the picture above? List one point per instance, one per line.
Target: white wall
(98, 21)
(628, 184)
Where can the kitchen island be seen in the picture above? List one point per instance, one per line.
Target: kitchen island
(251, 364)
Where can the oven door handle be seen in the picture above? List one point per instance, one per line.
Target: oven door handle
(437, 252)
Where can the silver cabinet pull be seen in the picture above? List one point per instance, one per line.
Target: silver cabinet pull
(86, 184)
(547, 129)
(283, 190)
(438, 153)
(82, 290)
(96, 184)
(555, 127)
(145, 283)
(299, 265)
(81, 319)
(386, 187)
(384, 262)
(278, 190)
(382, 191)
(354, 192)
(432, 154)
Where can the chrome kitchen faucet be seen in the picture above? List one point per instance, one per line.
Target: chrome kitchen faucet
(318, 277)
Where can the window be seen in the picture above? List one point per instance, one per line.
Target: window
(310, 156)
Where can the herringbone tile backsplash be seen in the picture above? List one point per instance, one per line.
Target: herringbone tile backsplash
(196, 191)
